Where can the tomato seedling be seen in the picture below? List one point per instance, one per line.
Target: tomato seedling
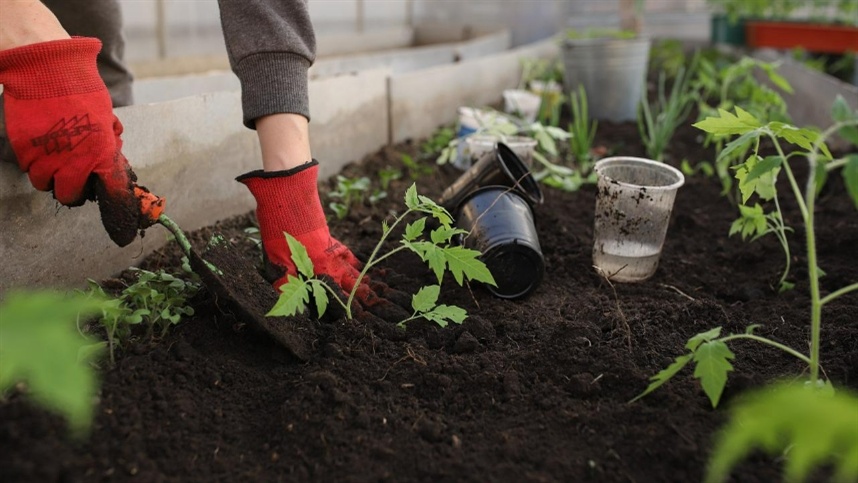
(439, 252)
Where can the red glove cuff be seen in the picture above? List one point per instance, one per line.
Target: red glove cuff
(55, 68)
(286, 202)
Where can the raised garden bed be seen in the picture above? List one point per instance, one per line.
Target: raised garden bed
(529, 390)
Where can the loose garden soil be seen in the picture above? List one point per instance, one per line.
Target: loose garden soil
(525, 390)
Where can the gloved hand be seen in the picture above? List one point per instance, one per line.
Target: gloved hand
(288, 201)
(61, 126)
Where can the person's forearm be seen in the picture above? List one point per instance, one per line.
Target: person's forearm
(271, 45)
(285, 141)
(24, 22)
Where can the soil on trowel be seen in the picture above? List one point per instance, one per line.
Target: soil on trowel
(536, 389)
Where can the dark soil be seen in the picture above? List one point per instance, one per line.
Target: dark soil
(527, 390)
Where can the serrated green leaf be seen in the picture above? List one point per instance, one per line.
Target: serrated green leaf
(818, 428)
(820, 179)
(411, 199)
(665, 375)
(738, 145)
(849, 133)
(299, 256)
(698, 339)
(432, 255)
(444, 314)
(293, 299)
(779, 80)
(799, 136)
(727, 124)
(320, 296)
(40, 344)
(443, 234)
(840, 110)
(425, 298)
(712, 359)
(763, 167)
(763, 185)
(463, 262)
(414, 230)
(850, 177)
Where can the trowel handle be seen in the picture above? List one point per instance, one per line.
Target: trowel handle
(151, 205)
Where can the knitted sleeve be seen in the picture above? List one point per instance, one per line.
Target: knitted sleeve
(271, 45)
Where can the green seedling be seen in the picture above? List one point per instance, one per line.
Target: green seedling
(349, 192)
(386, 176)
(658, 122)
(157, 300)
(40, 347)
(415, 169)
(440, 254)
(439, 140)
(727, 85)
(667, 55)
(579, 135)
(809, 428)
(709, 350)
(582, 131)
(425, 305)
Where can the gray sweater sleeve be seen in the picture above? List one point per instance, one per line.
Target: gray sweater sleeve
(271, 45)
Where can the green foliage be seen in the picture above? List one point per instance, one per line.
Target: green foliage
(808, 426)
(658, 122)
(439, 252)
(439, 140)
(540, 70)
(40, 345)
(386, 175)
(711, 357)
(754, 222)
(723, 84)
(349, 192)
(415, 169)
(156, 300)
(667, 55)
(599, 33)
(582, 131)
(579, 135)
(425, 305)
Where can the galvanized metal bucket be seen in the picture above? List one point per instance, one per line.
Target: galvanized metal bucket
(612, 71)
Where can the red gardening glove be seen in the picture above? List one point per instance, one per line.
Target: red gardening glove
(60, 123)
(288, 201)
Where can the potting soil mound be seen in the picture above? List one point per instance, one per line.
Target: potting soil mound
(526, 390)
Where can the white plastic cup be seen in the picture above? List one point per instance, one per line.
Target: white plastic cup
(634, 200)
(522, 103)
(522, 146)
(471, 120)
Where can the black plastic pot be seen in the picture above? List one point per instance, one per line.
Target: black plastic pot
(500, 226)
(501, 167)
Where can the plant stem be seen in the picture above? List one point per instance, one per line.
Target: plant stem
(371, 261)
(787, 349)
(812, 269)
(837, 293)
(182, 240)
(177, 232)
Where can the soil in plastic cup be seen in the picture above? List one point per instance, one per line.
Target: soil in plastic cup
(500, 225)
(500, 167)
(522, 103)
(522, 146)
(634, 200)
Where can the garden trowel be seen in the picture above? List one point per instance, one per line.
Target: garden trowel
(233, 279)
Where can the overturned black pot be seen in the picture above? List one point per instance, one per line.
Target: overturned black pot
(500, 225)
(501, 167)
